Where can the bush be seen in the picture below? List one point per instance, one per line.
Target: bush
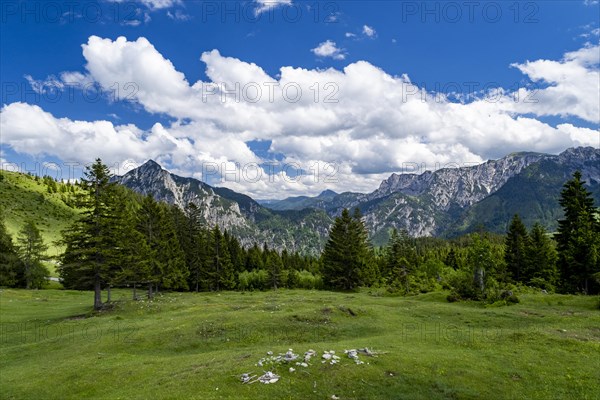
(461, 285)
(306, 280)
(541, 283)
(253, 280)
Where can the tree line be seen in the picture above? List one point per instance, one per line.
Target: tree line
(125, 239)
(479, 266)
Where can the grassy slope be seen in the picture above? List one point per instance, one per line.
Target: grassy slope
(188, 345)
(22, 198)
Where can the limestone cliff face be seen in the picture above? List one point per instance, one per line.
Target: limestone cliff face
(304, 231)
(439, 202)
(442, 202)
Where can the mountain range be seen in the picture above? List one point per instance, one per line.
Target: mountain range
(445, 202)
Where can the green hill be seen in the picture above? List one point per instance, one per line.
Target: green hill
(51, 206)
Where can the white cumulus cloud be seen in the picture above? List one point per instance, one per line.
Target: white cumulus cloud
(369, 31)
(361, 121)
(329, 48)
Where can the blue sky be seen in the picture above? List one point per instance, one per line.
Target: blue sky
(386, 65)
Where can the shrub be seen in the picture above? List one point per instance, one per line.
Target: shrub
(541, 283)
(306, 280)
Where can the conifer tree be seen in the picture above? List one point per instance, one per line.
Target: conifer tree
(9, 262)
(515, 254)
(32, 251)
(347, 258)
(90, 242)
(274, 267)
(541, 258)
(221, 275)
(194, 246)
(578, 238)
(401, 257)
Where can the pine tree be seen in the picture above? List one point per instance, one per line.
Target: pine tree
(515, 255)
(401, 259)
(9, 262)
(221, 276)
(541, 258)
(32, 251)
(578, 238)
(132, 258)
(347, 258)
(254, 259)
(274, 267)
(194, 246)
(89, 242)
(236, 252)
(368, 271)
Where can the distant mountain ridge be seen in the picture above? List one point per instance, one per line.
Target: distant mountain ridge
(303, 231)
(444, 202)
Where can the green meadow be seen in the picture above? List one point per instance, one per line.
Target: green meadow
(196, 346)
(23, 198)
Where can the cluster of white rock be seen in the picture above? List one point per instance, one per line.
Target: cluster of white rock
(328, 357)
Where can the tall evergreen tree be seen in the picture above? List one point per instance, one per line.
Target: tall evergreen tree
(401, 259)
(132, 258)
(221, 275)
(347, 258)
(254, 259)
(9, 261)
(541, 258)
(168, 267)
(274, 268)
(578, 238)
(32, 251)
(515, 255)
(194, 246)
(90, 242)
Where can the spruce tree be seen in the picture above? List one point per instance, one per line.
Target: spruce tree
(274, 268)
(157, 224)
(577, 239)
(221, 275)
(90, 242)
(32, 252)
(541, 259)
(9, 262)
(401, 259)
(515, 254)
(194, 245)
(347, 257)
(132, 258)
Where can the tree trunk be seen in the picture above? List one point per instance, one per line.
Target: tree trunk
(97, 294)
(27, 276)
(150, 291)
(108, 294)
(135, 291)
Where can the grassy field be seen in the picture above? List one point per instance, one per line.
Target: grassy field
(23, 198)
(186, 345)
